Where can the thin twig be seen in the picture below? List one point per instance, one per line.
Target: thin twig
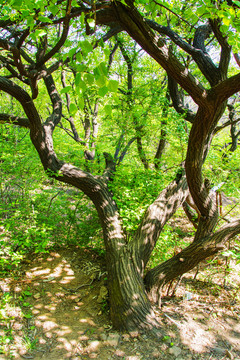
(178, 16)
(178, 325)
(52, 201)
(79, 287)
(222, 217)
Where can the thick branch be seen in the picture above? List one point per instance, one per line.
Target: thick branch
(55, 99)
(15, 120)
(237, 58)
(188, 258)
(112, 55)
(227, 123)
(225, 56)
(62, 39)
(129, 63)
(25, 100)
(197, 51)
(225, 89)
(201, 34)
(161, 145)
(8, 64)
(140, 31)
(177, 100)
(156, 217)
(113, 162)
(198, 145)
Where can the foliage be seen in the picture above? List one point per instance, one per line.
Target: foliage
(35, 213)
(171, 241)
(12, 310)
(115, 113)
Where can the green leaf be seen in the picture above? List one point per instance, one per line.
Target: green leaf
(113, 85)
(44, 19)
(96, 72)
(82, 85)
(86, 47)
(78, 78)
(28, 316)
(30, 23)
(224, 28)
(81, 103)
(101, 81)
(236, 2)
(73, 109)
(124, 2)
(89, 78)
(54, 9)
(79, 56)
(81, 67)
(202, 10)
(66, 89)
(103, 91)
(101, 43)
(17, 3)
(106, 52)
(91, 22)
(72, 51)
(40, 32)
(103, 69)
(226, 21)
(108, 109)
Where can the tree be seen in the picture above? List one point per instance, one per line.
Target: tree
(37, 39)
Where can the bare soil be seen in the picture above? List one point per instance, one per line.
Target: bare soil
(59, 310)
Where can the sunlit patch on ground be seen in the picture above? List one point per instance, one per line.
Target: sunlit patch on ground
(54, 313)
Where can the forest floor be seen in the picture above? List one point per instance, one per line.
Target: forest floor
(57, 309)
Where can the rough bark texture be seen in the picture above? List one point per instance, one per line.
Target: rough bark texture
(193, 217)
(199, 144)
(188, 258)
(129, 305)
(155, 217)
(130, 308)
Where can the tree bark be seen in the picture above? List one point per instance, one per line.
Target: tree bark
(188, 258)
(130, 308)
(155, 217)
(199, 143)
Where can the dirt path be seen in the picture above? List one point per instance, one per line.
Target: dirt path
(59, 311)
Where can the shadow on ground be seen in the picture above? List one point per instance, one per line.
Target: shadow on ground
(59, 311)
